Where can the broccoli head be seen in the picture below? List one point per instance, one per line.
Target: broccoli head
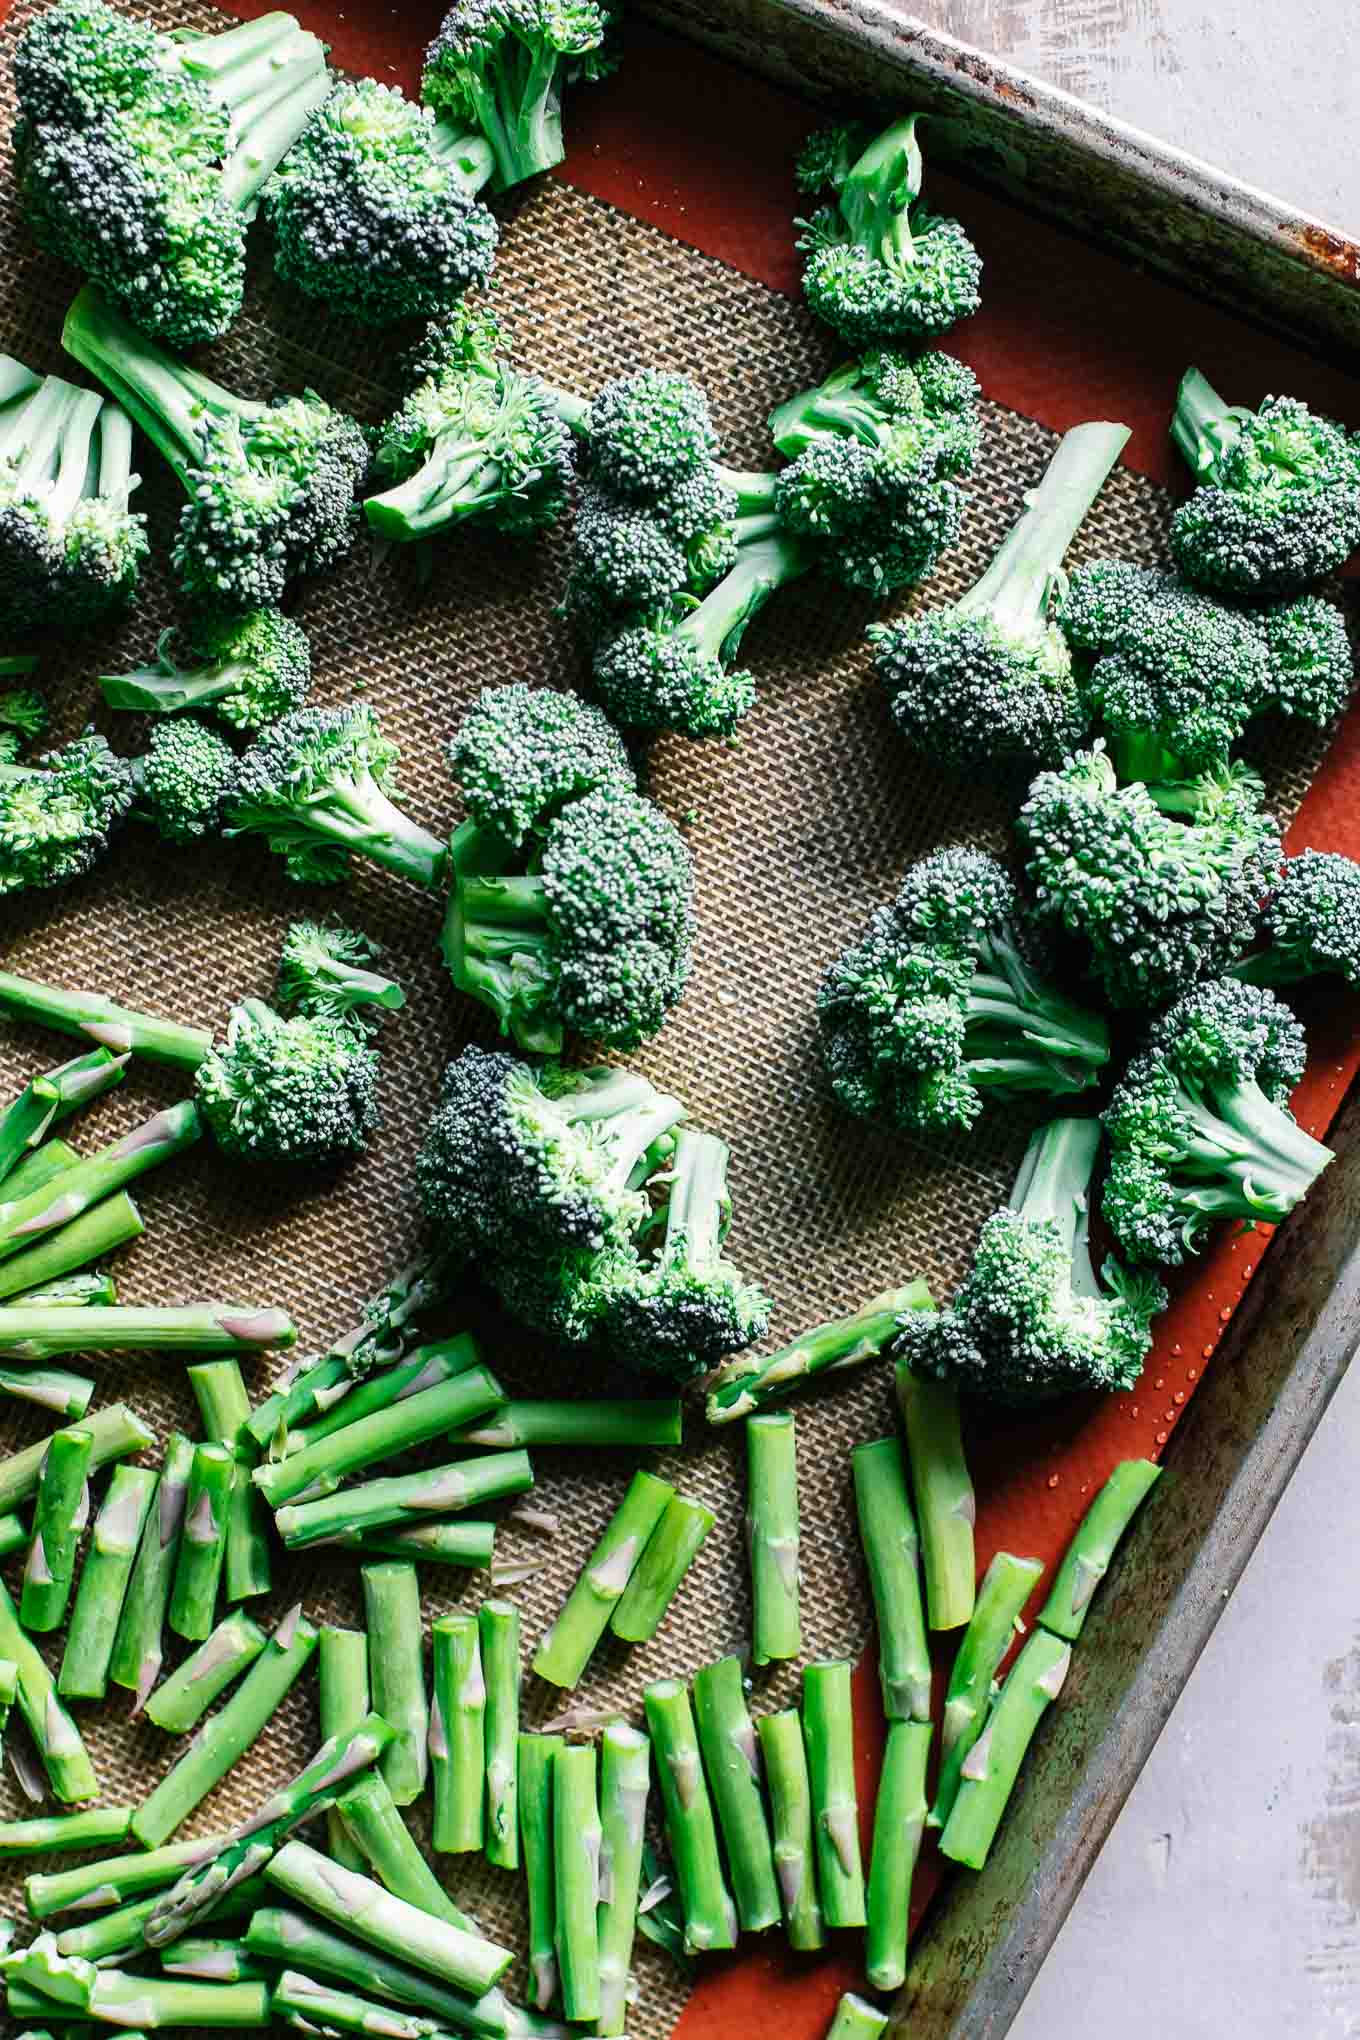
(522, 753)
(325, 972)
(288, 1090)
(1031, 1319)
(499, 66)
(1200, 1126)
(628, 556)
(23, 712)
(56, 817)
(1312, 925)
(1276, 505)
(891, 403)
(182, 784)
(249, 670)
(648, 430)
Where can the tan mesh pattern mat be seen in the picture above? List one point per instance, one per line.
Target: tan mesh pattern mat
(798, 832)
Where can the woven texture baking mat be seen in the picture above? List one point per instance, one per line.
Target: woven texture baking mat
(797, 833)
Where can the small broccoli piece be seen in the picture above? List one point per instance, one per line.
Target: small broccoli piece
(182, 784)
(681, 1311)
(56, 817)
(888, 402)
(70, 549)
(249, 670)
(1158, 902)
(1312, 925)
(270, 487)
(500, 66)
(375, 211)
(647, 431)
(1200, 1126)
(1312, 673)
(881, 269)
(298, 1090)
(318, 786)
(1031, 1319)
(324, 972)
(944, 1005)
(23, 713)
(987, 684)
(630, 556)
(1276, 505)
(522, 753)
(141, 154)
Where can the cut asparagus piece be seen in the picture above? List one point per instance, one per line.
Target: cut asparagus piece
(384, 1844)
(946, 1509)
(566, 1650)
(58, 1831)
(786, 1774)
(598, 1424)
(357, 1903)
(116, 1880)
(441, 1490)
(537, 1754)
(224, 1407)
(84, 1290)
(625, 1768)
(857, 2019)
(115, 1433)
(1088, 1556)
(772, 1536)
(727, 1743)
(181, 1701)
(667, 1556)
(42, 1165)
(138, 1645)
(59, 1518)
(743, 1385)
(710, 1916)
(51, 1388)
(279, 1934)
(9, 1692)
(203, 1544)
(97, 1019)
(576, 1859)
(26, 1123)
(459, 1543)
(458, 1735)
(104, 1583)
(120, 1933)
(899, 1824)
(215, 1961)
(25, 1219)
(225, 1737)
(892, 1554)
(143, 1328)
(1006, 1586)
(342, 1661)
(315, 2007)
(415, 1420)
(425, 1368)
(829, 1734)
(396, 1658)
(499, 1625)
(13, 1535)
(991, 1766)
(155, 2001)
(27, 1278)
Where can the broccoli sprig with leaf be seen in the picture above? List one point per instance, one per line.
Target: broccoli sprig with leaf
(500, 67)
(249, 670)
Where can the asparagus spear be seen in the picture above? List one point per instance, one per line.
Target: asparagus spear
(181, 1701)
(625, 1763)
(710, 1916)
(315, 2007)
(396, 1657)
(828, 1732)
(892, 1553)
(655, 1422)
(59, 1518)
(342, 1659)
(115, 1880)
(279, 1934)
(389, 1924)
(381, 1839)
(42, 1165)
(115, 1433)
(899, 1823)
(155, 2001)
(9, 1691)
(991, 1766)
(224, 1407)
(945, 1506)
(499, 1625)
(203, 1544)
(786, 1773)
(89, 1289)
(667, 1556)
(59, 1831)
(459, 1543)
(97, 1019)
(51, 1388)
(1006, 1586)
(137, 1647)
(458, 1735)
(425, 1368)
(727, 1742)
(104, 1583)
(566, 1650)
(215, 1960)
(415, 1420)
(1087, 1557)
(744, 1385)
(105, 1227)
(857, 2019)
(576, 1859)
(772, 1536)
(165, 1134)
(120, 1933)
(537, 1755)
(225, 1737)
(27, 1121)
(377, 1503)
(143, 1328)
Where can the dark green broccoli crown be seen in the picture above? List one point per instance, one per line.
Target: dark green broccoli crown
(1312, 673)
(654, 675)
(959, 899)
(499, 65)
(646, 431)
(185, 780)
(973, 695)
(297, 1090)
(830, 488)
(467, 336)
(523, 752)
(895, 402)
(1159, 902)
(565, 1292)
(887, 553)
(56, 817)
(1312, 924)
(309, 774)
(623, 556)
(326, 971)
(875, 302)
(893, 1019)
(369, 214)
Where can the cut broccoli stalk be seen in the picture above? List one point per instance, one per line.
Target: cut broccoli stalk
(1051, 1188)
(1203, 427)
(495, 940)
(269, 76)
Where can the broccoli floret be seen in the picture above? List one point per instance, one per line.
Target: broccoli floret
(141, 155)
(70, 548)
(987, 684)
(318, 787)
(270, 487)
(249, 670)
(522, 753)
(647, 431)
(182, 784)
(56, 817)
(1312, 673)
(944, 1005)
(881, 269)
(1200, 1126)
(888, 402)
(296, 1090)
(1159, 902)
(324, 972)
(23, 713)
(375, 210)
(627, 556)
(678, 1313)
(500, 66)
(1312, 925)
(1276, 505)
(1031, 1319)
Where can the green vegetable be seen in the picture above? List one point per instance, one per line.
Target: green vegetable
(416, 1419)
(590, 1423)
(115, 1433)
(501, 71)
(991, 1766)
(55, 1735)
(946, 1508)
(772, 1536)
(283, 1936)
(577, 1841)
(566, 1649)
(57, 817)
(498, 1622)
(727, 1743)
(104, 1579)
(667, 1556)
(138, 1644)
(374, 1828)
(625, 1758)
(828, 1733)
(180, 1702)
(892, 1554)
(396, 1666)
(457, 1738)
(42, 1277)
(344, 1700)
(786, 1777)
(203, 1544)
(48, 1099)
(537, 1760)
(743, 1386)
(710, 1916)
(899, 1824)
(224, 1407)
(378, 1503)
(1006, 1586)
(246, 669)
(90, 1016)
(59, 1517)
(1312, 924)
(1087, 1558)
(56, 1833)
(52, 1388)
(857, 2019)
(115, 1881)
(324, 971)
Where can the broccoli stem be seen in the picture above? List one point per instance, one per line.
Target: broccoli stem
(359, 815)
(717, 626)
(490, 960)
(455, 480)
(165, 688)
(877, 195)
(1255, 1160)
(270, 76)
(468, 158)
(837, 405)
(59, 425)
(89, 1015)
(1016, 590)
(1140, 756)
(1052, 1185)
(1203, 427)
(697, 1200)
(518, 107)
(755, 493)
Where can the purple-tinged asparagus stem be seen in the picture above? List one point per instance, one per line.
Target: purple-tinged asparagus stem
(203, 1545)
(50, 1388)
(1087, 1557)
(58, 1519)
(786, 1774)
(115, 1028)
(743, 1386)
(26, 1219)
(56, 1737)
(32, 1280)
(829, 1736)
(424, 1368)
(224, 1407)
(625, 1766)
(104, 1583)
(115, 1433)
(414, 1420)
(380, 1504)
(180, 1702)
(457, 1737)
(772, 1536)
(899, 1824)
(143, 1328)
(315, 2006)
(281, 1935)
(566, 1650)
(138, 1645)
(93, 1886)
(26, 1123)
(58, 1832)
(992, 1765)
